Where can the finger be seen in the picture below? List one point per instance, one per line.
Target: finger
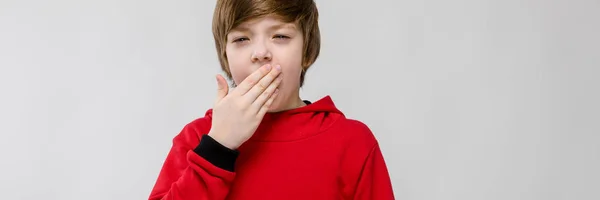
(222, 88)
(265, 108)
(252, 80)
(266, 94)
(262, 85)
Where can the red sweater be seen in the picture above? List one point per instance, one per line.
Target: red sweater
(312, 152)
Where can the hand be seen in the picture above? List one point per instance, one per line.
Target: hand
(236, 115)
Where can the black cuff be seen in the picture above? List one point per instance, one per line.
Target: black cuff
(217, 154)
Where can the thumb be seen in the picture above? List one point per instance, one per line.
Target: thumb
(222, 88)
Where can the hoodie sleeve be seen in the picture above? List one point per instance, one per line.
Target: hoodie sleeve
(195, 168)
(374, 181)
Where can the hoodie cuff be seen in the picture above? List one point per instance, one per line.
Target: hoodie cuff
(217, 154)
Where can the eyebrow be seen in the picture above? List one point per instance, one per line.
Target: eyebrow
(274, 27)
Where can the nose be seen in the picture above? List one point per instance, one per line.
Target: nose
(261, 54)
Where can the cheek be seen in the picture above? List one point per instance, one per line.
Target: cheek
(238, 66)
(292, 60)
(292, 74)
(292, 69)
(239, 75)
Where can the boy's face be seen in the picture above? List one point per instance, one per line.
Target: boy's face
(267, 40)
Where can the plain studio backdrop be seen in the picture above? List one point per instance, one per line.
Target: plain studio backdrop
(474, 99)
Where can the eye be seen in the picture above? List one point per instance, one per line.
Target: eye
(280, 37)
(241, 39)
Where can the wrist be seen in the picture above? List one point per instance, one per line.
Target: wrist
(221, 139)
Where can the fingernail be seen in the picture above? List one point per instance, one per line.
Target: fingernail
(278, 67)
(268, 67)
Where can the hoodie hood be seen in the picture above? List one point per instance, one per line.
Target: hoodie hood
(298, 123)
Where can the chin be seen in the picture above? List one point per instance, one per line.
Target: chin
(275, 106)
(272, 110)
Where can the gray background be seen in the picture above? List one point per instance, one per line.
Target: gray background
(469, 99)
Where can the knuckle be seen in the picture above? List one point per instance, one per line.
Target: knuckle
(261, 86)
(251, 81)
(267, 93)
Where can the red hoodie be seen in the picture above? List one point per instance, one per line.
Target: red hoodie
(312, 152)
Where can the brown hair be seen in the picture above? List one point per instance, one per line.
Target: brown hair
(231, 13)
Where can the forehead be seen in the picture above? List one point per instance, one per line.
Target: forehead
(266, 22)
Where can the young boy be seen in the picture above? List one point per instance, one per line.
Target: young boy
(261, 140)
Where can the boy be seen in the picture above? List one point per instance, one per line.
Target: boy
(260, 140)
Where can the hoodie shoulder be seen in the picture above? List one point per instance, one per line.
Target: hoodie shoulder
(357, 133)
